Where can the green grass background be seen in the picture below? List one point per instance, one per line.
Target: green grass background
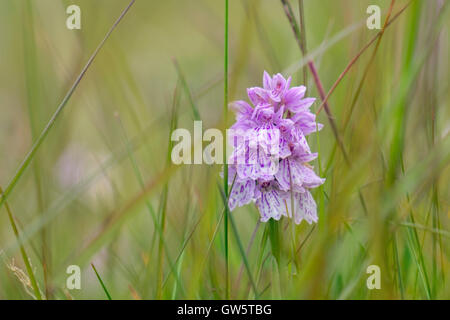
(101, 188)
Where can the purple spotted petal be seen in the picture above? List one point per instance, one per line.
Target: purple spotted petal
(285, 150)
(294, 96)
(305, 207)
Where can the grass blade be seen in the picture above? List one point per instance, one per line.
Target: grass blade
(26, 260)
(195, 112)
(29, 157)
(225, 166)
(312, 68)
(240, 246)
(101, 282)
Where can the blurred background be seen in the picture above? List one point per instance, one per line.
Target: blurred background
(101, 188)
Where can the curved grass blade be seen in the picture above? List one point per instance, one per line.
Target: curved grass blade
(241, 247)
(29, 157)
(225, 166)
(26, 260)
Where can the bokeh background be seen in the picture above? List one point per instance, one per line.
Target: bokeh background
(101, 181)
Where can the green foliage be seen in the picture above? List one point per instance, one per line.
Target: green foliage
(85, 157)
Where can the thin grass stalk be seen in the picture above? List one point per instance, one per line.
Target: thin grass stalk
(275, 241)
(58, 206)
(182, 250)
(304, 49)
(260, 260)
(31, 154)
(276, 279)
(161, 246)
(263, 38)
(435, 191)
(25, 258)
(414, 244)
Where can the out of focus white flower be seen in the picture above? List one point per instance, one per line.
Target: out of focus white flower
(76, 164)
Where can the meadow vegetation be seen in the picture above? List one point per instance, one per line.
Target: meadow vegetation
(98, 188)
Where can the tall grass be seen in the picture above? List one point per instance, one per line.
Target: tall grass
(154, 230)
(225, 160)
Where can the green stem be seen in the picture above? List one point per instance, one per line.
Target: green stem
(101, 282)
(29, 157)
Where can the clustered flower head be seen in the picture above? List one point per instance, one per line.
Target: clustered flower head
(269, 162)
